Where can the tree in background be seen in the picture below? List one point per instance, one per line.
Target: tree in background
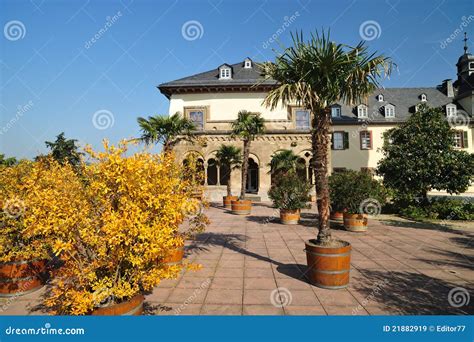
(167, 130)
(7, 161)
(230, 157)
(419, 156)
(64, 150)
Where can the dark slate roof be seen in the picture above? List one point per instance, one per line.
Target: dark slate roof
(240, 76)
(404, 100)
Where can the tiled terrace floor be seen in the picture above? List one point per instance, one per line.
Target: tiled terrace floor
(398, 267)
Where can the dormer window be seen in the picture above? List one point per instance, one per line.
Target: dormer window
(389, 111)
(248, 63)
(380, 97)
(423, 97)
(451, 110)
(225, 72)
(336, 111)
(362, 111)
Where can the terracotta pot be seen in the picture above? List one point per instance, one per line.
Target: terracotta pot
(175, 256)
(241, 207)
(328, 267)
(21, 277)
(355, 222)
(289, 216)
(131, 307)
(337, 216)
(197, 194)
(228, 201)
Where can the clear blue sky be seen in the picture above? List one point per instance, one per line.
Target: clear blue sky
(60, 79)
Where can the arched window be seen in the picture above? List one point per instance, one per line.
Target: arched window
(252, 177)
(311, 171)
(211, 172)
(224, 174)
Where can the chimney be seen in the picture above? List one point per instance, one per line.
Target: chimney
(448, 88)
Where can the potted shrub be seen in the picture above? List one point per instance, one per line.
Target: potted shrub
(336, 183)
(314, 74)
(359, 194)
(290, 195)
(230, 157)
(247, 127)
(22, 256)
(128, 213)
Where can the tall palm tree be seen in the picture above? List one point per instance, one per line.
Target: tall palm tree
(167, 130)
(315, 74)
(230, 157)
(283, 162)
(247, 127)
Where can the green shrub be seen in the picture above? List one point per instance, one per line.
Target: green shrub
(356, 192)
(290, 192)
(442, 209)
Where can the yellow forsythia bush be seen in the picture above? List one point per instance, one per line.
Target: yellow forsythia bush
(15, 245)
(111, 224)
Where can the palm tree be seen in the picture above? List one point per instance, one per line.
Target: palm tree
(231, 157)
(315, 74)
(168, 130)
(247, 126)
(283, 162)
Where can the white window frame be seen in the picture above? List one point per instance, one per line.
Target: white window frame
(365, 140)
(247, 64)
(225, 73)
(423, 98)
(336, 111)
(458, 139)
(451, 110)
(362, 111)
(338, 140)
(308, 126)
(380, 97)
(389, 111)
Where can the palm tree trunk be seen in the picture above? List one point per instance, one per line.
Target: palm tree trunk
(245, 166)
(229, 184)
(320, 141)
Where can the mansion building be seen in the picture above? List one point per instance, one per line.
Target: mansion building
(212, 100)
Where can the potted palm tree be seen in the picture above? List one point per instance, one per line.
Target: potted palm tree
(167, 130)
(337, 182)
(289, 193)
(230, 157)
(316, 74)
(247, 127)
(283, 162)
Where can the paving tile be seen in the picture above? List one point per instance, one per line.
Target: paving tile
(221, 296)
(305, 310)
(256, 310)
(257, 297)
(227, 283)
(180, 296)
(230, 272)
(221, 309)
(259, 283)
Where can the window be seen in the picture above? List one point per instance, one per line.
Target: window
(225, 73)
(340, 141)
(451, 110)
(423, 97)
(389, 111)
(461, 139)
(248, 63)
(336, 111)
(380, 98)
(362, 111)
(365, 140)
(197, 115)
(302, 119)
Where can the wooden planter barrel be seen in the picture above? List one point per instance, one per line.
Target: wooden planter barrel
(241, 207)
(228, 201)
(131, 307)
(21, 277)
(355, 222)
(175, 256)
(328, 267)
(289, 216)
(337, 216)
